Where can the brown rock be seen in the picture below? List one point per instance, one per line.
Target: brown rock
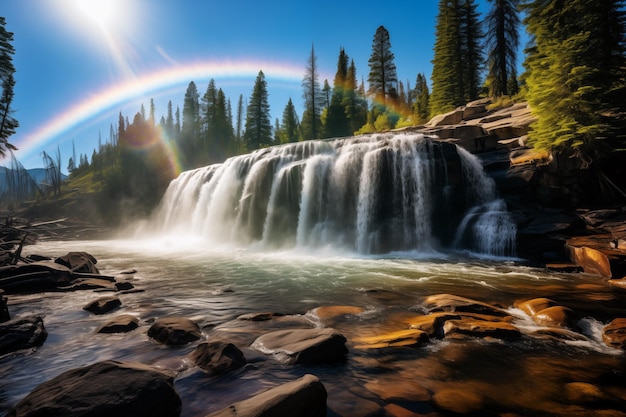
(110, 388)
(480, 328)
(534, 305)
(121, 324)
(123, 286)
(79, 262)
(614, 334)
(459, 401)
(432, 323)
(390, 390)
(305, 397)
(583, 393)
(454, 304)
(22, 333)
(557, 316)
(263, 316)
(400, 338)
(89, 284)
(218, 357)
(174, 331)
(619, 283)
(328, 312)
(592, 261)
(103, 305)
(303, 345)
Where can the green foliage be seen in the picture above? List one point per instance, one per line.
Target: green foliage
(8, 123)
(290, 128)
(421, 106)
(502, 42)
(258, 125)
(458, 60)
(575, 75)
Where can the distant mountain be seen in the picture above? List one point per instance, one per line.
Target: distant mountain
(37, 174)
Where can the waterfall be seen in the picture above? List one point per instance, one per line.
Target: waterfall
(369, 194)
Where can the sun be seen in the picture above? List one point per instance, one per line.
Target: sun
(100, 12)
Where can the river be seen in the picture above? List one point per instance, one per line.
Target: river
(527, 377)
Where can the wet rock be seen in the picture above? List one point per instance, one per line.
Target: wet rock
(454, 304)
(480, 328)
(459, 401)
(534, 305)
(173, 331)
(618, 283)
(22, 333)
(121, 324)
(262, 316)
(595, 255)
(110, 388)
(390, 390)
(103, 305)
(614, 334)
(303, 345)
(89, 284)
(218, 357)
(123, 286)
(583, 393)
(4, 309)
(36, 276)
(79, 262)
(304, 397)
(557, 334)
(433, 323)
(400, 338)
(556, 316)
(328, 312)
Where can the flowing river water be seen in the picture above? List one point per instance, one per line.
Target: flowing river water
(184, 277)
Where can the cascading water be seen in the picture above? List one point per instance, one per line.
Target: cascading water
(370, 194)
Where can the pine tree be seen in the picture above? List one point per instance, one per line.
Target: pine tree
(502, 41)
(258, 125)
(313, 101)
(239, 125)
(190, 130)
(8, 123)
(290, 127)
(421, 106)
(382, 77)
(354, 101)
(575, 74)
(169, 121)
(457, 61)
(337, 122)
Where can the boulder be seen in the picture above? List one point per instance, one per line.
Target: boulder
(480, 328)
(400, 338)
(304, 397)
(614, 334)
(328, 312)
(36, 276)
(22, 333)
(534, 305)
(121, 324)
(555, 316)
(454, 304)
(4, 309)
(432, 323)
(103, 305)
(174, 331)
(303, 345)
(123, 286)
(109, 388)
(451, 118)
(79, 262)
(218, 357)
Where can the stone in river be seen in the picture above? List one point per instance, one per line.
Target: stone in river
(557, 316)
(304, 397)
(110, 388)
(120, 324)
(400, 338)
(328, 312)
(260, 316)
(174, 331)
(450, 303)
(480, 328)
(534, 305)
(103, 305)
(79, 262)
(21, 333)
(614, 334)
(303, 345)
(218, 357)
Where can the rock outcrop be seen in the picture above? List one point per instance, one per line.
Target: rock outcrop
(303, 345)
(110, 388)
(218, 358)
(22, 333)
(174, 331)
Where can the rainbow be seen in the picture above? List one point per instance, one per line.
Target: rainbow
(143, 85)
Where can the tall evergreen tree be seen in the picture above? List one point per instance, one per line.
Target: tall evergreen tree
(239, 124)
(337, 123)
(354, 101)
(258, 125)
(8, 123)
(169, 121)
(458, 61)
(575, 75)
(502, 41)
(382, 77)
(190, 130)
(290, 126)
(421, 106)
(313, 100)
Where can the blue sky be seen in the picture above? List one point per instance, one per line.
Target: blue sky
(80, 62)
